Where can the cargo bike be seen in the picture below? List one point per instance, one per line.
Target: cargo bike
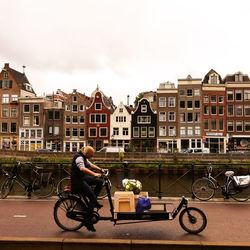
(70, 213)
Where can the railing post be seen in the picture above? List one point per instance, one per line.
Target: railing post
(192, 171)
(159, 181)
(125, 168)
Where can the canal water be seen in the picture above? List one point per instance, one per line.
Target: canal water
(169, 183)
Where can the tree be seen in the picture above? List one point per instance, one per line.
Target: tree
(138, 98)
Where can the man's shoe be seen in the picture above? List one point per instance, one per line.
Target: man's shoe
(89, 226)
(98, 205)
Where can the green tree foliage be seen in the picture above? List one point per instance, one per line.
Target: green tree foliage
(138, 98)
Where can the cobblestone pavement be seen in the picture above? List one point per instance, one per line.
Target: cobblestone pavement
(227, 221)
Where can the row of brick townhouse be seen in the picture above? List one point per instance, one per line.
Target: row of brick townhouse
(209, 113)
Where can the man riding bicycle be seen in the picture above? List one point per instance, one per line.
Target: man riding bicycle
(82, 178)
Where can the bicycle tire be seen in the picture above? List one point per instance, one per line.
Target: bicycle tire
(193, 220)
(238, 194)
(6, 187)
(203, 189)
(63, 207)
(103, 192)
(43, 191)
(62, 184)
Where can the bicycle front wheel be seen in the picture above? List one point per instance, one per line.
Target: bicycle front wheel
(103, 192)
(43, 190)
(203, 189)
(238, 193)
(69, 213)
(6, 187)
(192, 220)
(62, 184)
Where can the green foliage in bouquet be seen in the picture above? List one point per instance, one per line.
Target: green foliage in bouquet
(132, 185)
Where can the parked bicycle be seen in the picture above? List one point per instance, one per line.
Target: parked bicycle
(42, 185)
(71, 213)
(204, 188)
(66, 182)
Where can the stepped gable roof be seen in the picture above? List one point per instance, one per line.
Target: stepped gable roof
(231, 78)
(206, 78)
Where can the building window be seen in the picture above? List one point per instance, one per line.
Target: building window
(5, 112)
(67, 132)
(143, 119)
(32, 133)
(4, 127)
(206, 99)
(143, 131)
(151, 132)
(247, 126)
(74, 98)
(238, 78)
(13, 127)
(162, 116)
(162, 131)
(213, 110)
(136, 132)
(74, 108)
(5, 98)
(98, 106)
(213, 98)
(182, 104)
(197, 104)
(36, 108)
(171, 131)
(144, 108)
(247, 95)
(26, 121)
(81, 107)
(182, 117)
(103, 132)
(190, 131)
(221, 99)
(239, 127)
(74, 119)
(182, 131)
(6, 74)
(247, 110)
(98, 118)
(13, 112)
(56, 130)
(14, 97)
(221, 110)
(26, 108)
(115, 131)
(197, 131)
(162, 101)
(36, 121)
(57, 115)
(81, 119)
(238, 95)
(197, 92)
(67, 107)
(125, 131)
(67, 119)
(221, 124)
(189, 92)
(230, 110)
(182, 92)
(189, 117)
(239, 110)
(171, 102)
(120, 110)
(230, 126)
(92, 132)
(81, 132)
(230, 95)
(197, 117)
(74, 132)
(189, 104)
(213, 79)
(213, 124)
(206, 127)
(171, 116)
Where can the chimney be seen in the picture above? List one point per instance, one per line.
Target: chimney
(6, 65)
(24, 69)
(128, 100)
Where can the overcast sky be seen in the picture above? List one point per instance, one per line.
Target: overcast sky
(124, 46)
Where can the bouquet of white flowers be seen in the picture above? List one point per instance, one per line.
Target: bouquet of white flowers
(132, 185)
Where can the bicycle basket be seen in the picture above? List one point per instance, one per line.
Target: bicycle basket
(241, 181)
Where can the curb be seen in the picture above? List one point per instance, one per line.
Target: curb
(103, 244)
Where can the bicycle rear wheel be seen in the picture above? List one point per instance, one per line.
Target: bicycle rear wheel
(192, 220)
(203, 189)
(62, 184)
(6, 187)
(42, 190)
(237, 193)
(69, 213)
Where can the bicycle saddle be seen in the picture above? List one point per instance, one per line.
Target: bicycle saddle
(229, 173)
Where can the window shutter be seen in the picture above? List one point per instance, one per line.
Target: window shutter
(10, 84)
(0, 84)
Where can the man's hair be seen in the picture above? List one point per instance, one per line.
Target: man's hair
(87, 149)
